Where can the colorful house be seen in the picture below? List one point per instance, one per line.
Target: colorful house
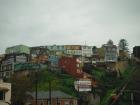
(53, 62)
(7, 64)
(71, 65)
(87, 51)
(17, 49)
(111, 54)
(73, 50)
(58, 50)
(39, 54)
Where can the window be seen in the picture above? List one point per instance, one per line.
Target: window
(58, 101)
(2, 95)
(77, 65)
(7, 74)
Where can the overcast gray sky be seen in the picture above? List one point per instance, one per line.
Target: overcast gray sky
(45, 22)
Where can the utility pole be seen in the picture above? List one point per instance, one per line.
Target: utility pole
(132, 99)
(36, 82)
(50, 92)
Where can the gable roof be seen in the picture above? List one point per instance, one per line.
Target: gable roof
(54, 94)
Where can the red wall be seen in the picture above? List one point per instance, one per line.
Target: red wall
(69, 65)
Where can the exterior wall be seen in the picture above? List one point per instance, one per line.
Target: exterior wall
(7, 64)
(57, 49)
(39, 50)
(18, 49)
(6, 70)
(136, 52)
(6, 87)
(72, 47)
(111, 53)
(53, 59)
(43, 59)
(71, 65)
(2, 56)
(73, 50)
(87, 51)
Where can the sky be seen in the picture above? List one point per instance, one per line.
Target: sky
(48, 22)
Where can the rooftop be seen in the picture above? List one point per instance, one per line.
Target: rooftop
(54, 94)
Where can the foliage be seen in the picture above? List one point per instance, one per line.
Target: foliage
(123, 45)
(115, 84)
(20, 85)
(59, 81)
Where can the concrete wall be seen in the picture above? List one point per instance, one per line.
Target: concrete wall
(7, 88)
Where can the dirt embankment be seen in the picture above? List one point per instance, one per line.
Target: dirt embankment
(121, 65)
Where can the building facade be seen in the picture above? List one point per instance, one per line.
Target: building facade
(39, 54)
(73, 50)
(5, 92)
(111, 54)
(87, 51)
(17, 49)
(71, 65)
(58, 50)
(7, 64)
(136, 52)
(53, 62)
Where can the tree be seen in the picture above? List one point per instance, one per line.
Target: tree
(20, 85)
(123, 48)
(123, 45)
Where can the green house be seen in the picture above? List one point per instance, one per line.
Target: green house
(18, 49)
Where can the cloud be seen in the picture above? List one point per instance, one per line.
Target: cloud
(42, 22)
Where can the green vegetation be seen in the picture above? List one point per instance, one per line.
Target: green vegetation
(98, 73)
(58, 81)
(115, 84)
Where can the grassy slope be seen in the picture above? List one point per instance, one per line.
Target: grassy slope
(59, 81)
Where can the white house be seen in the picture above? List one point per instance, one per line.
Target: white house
(111, 53)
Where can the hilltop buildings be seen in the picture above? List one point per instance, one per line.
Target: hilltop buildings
(17, 49)
(8, 62)
(70, 58)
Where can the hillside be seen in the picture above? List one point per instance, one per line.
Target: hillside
(59, 81)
